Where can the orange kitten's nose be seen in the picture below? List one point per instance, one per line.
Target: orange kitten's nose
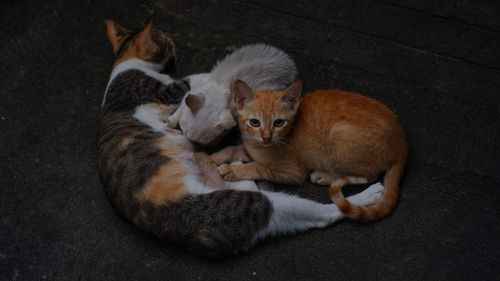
(266, 136)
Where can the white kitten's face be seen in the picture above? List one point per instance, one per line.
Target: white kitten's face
(210, 122)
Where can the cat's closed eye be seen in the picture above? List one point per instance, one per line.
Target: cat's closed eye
(254, 122)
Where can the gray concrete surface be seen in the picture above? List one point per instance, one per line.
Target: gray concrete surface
(436, 63)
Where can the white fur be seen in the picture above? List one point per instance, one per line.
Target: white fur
(197, 128)
(194, 180)
(150, 69)
(292, 213)
(150, 116)
(247, 185)
(261, 66)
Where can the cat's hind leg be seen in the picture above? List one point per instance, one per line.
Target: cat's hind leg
(292, 213)
(369, 196)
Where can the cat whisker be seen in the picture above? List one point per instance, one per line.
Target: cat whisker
(281, 141)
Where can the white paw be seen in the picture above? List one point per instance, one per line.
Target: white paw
(373, 193)
(369, 196)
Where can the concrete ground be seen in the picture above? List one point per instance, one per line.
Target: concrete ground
(435, 62)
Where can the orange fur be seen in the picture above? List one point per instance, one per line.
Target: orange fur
(341, 137)
(204, 237)
(116, 34)
(167, 185)
(170, 148)
(127, 141)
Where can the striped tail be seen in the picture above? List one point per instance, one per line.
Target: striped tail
(383, 207)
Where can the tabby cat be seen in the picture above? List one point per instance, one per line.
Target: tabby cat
(154, 179)
(342, 138)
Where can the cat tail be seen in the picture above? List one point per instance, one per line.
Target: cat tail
(383, 207)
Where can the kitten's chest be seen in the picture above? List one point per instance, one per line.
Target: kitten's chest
(268, 156)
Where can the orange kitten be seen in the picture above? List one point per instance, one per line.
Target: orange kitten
(342, 138)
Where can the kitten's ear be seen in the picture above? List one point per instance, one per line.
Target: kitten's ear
(292, 95)
(226, 120)
(115, 32)
(194, 102)
(242, 94)
(145, 44)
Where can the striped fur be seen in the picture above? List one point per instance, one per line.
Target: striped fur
(155, 180)
(343, 138)
(146, 168)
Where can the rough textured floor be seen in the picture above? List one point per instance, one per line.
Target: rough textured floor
(435, 62)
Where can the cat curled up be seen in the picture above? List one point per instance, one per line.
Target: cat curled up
(154, 179)
(207, 112)
(342, 138)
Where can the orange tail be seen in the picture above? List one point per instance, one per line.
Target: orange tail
(383, 207)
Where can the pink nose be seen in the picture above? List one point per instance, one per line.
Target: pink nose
(266, 140)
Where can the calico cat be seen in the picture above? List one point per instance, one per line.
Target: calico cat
(342, 138)
(207, 113)
(155, 180)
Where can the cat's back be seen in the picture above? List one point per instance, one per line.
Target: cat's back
(325, 108)
(354, 124)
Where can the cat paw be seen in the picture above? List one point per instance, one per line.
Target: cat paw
(372, 194)
(321, 178)
(226, 172)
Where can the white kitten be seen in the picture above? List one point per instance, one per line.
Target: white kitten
(207, 112)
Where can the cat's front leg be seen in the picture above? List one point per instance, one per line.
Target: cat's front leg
(248, 171)
(230, 154)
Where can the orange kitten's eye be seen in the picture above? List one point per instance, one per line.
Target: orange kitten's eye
(279, 123)
(254, 122)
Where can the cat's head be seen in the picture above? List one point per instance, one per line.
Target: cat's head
(205, 117)
(266, 117)
(149, 44)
